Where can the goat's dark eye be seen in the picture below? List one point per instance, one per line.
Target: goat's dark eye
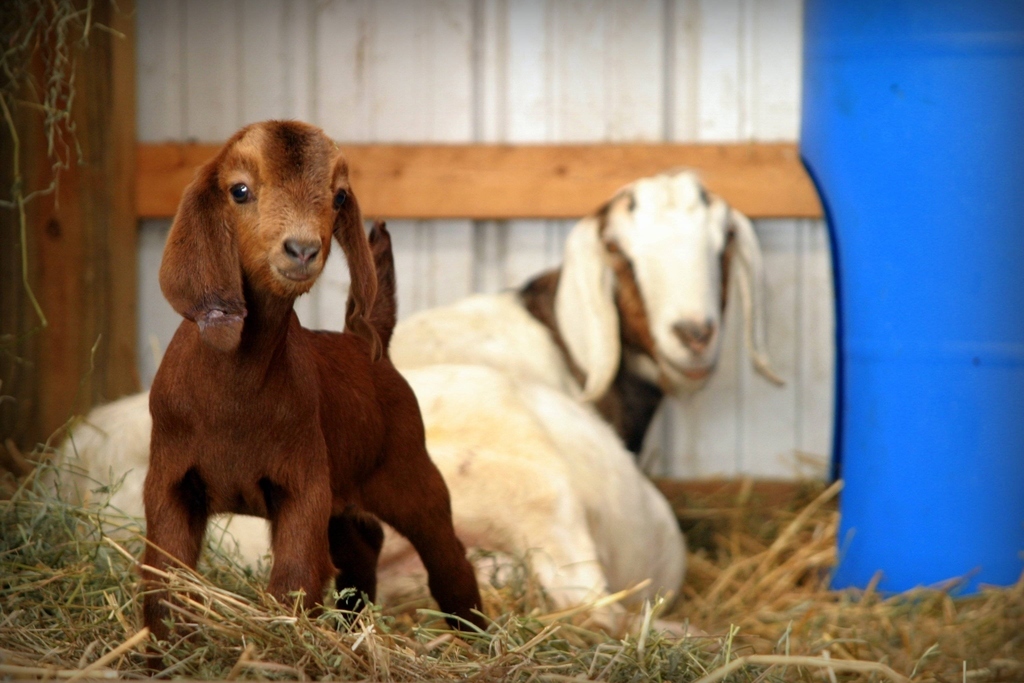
(240, 193)
(339, 199)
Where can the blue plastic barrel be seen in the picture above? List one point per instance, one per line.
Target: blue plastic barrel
(913, 129)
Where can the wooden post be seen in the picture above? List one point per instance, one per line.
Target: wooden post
(82, 248)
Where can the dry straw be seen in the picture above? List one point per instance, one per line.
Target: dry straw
(756, 593)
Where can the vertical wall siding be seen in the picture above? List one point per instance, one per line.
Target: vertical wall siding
(519, 71)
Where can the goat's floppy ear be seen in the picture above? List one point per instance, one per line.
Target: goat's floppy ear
(750, 278)
(200, 273)
(585, 308)
(348, 230)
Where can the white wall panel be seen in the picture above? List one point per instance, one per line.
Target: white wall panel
(576, 71)
(520, 71)
(160, 70)
(156, 320)
(212, 77)
(775, 92)
(720, 107)
(263, 61)
(769, 411)
(634, 65)
(815, 352)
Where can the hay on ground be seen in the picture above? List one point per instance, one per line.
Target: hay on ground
(757, 587)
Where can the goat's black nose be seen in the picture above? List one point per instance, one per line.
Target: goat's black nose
(695, 336)
(301, 250)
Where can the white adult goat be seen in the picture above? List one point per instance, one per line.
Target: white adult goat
(634, 312)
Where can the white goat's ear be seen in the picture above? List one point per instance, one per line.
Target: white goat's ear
(585, 308)
(750, 278)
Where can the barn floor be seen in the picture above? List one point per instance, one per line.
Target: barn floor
(760, 559)
(756, 597)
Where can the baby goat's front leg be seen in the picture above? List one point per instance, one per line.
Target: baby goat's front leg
(176, 514)
(299, 515)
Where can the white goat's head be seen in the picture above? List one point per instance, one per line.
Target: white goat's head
(655, 262)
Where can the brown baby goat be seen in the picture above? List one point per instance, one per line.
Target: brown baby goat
(254, 414)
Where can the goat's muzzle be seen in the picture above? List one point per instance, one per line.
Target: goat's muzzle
(695, 335)
(301, 251)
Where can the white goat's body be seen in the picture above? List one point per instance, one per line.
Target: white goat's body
(113, 442)
(486, 329)
(530, 471)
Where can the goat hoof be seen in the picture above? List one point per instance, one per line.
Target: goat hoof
(461, 626)
(351, 601)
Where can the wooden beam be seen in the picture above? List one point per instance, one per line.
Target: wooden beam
(518, 181)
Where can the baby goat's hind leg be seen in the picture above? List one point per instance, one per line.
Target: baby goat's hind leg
(356, 540)
(409, 493)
